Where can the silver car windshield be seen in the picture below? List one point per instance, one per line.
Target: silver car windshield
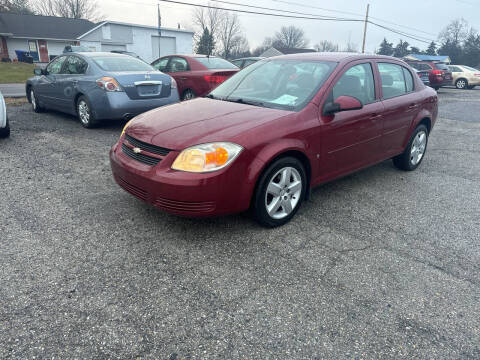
(282, 83)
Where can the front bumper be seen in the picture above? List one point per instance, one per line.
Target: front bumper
(117, 105)
(188, 194)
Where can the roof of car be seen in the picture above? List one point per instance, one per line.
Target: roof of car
(333, 56)
(250, 58)
(97, 53)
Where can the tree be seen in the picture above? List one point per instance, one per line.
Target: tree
(15, 6)
(207, 18)
(415, 50)
(401, 49)
(76, 9)
(206, 43)
(455, 32)
(351, 47)
(432, 49)
(229, 34)
(240, 48)
(326, 46)
(471, 50)
(290, 37)
(386, 48)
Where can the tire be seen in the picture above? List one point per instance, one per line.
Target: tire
(470, 87)
(36, 106)
(5, 132)
(415, 151)
(270, 210)
(461, 84)
(436, 87)
(84, 113)
(188, 94)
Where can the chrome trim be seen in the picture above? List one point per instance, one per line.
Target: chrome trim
(147, 82)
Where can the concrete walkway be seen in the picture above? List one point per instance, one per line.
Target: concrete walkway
(13, 90)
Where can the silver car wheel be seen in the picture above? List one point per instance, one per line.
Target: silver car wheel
(33, 100)
(419, 145)
(83, 112)
(461, 84)
(283, 192)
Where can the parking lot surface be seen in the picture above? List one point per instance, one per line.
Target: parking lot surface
(379, 264)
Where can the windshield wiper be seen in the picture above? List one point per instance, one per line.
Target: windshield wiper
(246, 101)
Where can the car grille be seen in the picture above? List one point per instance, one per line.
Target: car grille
(132, 189)
(185, 206)
(146, 159)
(147, 147)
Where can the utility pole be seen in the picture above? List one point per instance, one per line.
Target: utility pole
(159, 30)
(365, 29)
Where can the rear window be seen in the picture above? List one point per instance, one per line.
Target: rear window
(440, 66)
(420, 66)
(470, 68)
(121, 63)
(215, 63)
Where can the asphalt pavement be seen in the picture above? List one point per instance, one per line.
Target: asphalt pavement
(379, 264)
(13, 90)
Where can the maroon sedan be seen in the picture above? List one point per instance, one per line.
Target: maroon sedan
(196, 75)
(270, 133)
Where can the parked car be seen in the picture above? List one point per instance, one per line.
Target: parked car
(196, 75)
(96, 86)
(244, 62)
(464, 77)
(263, 143)
(131, 53)
(74, 48)
(4, 125)
(439, 74)
(424, 76)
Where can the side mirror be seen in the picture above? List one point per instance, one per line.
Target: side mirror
(38, 71)
(342, 103)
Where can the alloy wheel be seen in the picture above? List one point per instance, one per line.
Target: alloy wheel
(283, 192)
(461, 84)
(33, 100)
(83, 112)
(417, 150)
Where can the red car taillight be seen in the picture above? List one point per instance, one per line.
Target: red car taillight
(109, 84)
(477, 74)
(437, 72)
(215, 79)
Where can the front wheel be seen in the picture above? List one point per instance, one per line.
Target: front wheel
(280, 192)
(461, 84)
(414, 153)
(36, 107)
(84, 112)
(188, 94)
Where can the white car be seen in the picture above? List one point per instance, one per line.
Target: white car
(4, 126)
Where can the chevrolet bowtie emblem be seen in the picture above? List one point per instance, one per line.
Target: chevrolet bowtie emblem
(137, 150)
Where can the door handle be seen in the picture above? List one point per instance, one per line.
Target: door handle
(375, 116)
(412, 106)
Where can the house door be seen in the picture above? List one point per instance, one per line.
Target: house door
(33, 49)
(42, 44)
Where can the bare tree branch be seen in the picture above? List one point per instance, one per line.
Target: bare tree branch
(76, 9)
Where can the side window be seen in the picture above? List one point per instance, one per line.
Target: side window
(161, 64)
(455, 69)
(393, 81)
(357, 82)
(408, 79)
(178, 64)
(75, 65)
(237, 62)
(56, 65)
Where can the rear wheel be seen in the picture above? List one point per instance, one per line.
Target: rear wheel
(414, 153)
(461, 84)
(188, 94)
(280, 192)
(84, 112)
(5, 132)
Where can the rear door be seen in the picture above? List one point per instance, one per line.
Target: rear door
(401, 105)
(179, 69)
(352, 139)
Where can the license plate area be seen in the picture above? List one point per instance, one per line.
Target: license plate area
(148, 88)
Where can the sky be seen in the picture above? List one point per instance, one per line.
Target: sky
(421, 18)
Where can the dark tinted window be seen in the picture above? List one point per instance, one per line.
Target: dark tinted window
(56, 65)
(408, 79)
(215, 63)
(75, 65)
(121, 63)
(358, 83)
(393, 81)
(441, 66)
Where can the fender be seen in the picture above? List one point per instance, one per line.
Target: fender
(424, 113)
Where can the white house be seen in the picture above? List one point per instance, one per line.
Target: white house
(45, 37)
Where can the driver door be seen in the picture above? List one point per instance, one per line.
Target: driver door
(352, 139)
(45, 89)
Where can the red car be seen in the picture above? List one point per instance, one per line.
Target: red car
(439, 73)
(196, 75)
(271, 132)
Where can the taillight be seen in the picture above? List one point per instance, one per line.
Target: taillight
(173, 84)
(437, 72)
(109, 84)
(477, 74)
(215, 79)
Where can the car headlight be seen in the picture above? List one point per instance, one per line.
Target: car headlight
(206, 157)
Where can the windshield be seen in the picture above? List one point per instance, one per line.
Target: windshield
(282, 83)
(215, 63)
(121, 63)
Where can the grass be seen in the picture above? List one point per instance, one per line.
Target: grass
(15, 72)
(15, 101)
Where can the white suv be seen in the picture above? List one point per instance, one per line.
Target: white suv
(4, 126)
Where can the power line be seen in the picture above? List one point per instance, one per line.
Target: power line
(401, 33)
(313, 17)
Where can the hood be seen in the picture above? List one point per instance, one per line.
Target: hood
(199, 121)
